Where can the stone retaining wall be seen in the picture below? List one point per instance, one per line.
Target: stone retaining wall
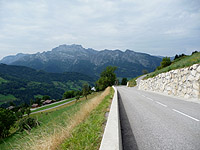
(183, 82)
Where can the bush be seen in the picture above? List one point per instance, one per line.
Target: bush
(46, 97)
(86, 90)
(124, 81)
(179, 56)
(27, 123)
(165, 62)
(68, 94)
(7, 119)
(194, 52)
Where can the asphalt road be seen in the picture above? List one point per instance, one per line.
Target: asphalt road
(155, 122)
(51, 107)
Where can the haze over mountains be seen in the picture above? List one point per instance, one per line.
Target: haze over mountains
(75, 58)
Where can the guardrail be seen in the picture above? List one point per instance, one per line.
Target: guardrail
(112, 135)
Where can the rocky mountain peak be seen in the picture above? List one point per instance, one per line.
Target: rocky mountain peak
(64, 47)
(75, 58)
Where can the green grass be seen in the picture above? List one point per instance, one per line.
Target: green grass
(133, 82)
(6, 98)
(88, 134)
(53, 105)
(177, 64)
(49, 121)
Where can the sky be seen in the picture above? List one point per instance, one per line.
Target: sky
(157, 27)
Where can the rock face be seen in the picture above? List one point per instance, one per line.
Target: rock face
(183, 82)
(75, 58)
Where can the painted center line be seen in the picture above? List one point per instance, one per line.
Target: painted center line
(161, 104)
(149, 98)
(185, 115)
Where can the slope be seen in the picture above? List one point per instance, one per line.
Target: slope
(23, 83)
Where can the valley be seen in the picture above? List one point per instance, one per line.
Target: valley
(21, 84)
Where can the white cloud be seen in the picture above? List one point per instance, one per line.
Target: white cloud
(163, 27)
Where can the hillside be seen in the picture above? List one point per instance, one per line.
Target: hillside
(22, 83)
(184, 61)
(75, 58)
(181, 62)
(180, 79)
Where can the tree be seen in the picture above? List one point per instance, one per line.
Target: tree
(38, 101)
(69, 94)
(28, 111)
(18, 114)
(176, 57)
(124, 81)
(7, 119)
(12, 104)
(46, 97)
(77, 98)
(179, 56)
(117, 82)
(22, 109)
(144, 71)
(86, 90)
(194, 52)
(31, 101)
(165, 62)
(107, 78)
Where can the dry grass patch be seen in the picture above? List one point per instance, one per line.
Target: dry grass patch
(60, 132)
(88, 134)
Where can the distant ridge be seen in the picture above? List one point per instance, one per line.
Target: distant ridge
(75, 58)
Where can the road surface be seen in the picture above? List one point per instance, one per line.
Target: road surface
(51, 107)
(155, 122)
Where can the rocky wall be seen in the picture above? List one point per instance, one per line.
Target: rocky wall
(183, 82)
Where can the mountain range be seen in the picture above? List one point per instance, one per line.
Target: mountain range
(75, 58)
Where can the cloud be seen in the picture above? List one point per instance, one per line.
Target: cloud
(163, 27)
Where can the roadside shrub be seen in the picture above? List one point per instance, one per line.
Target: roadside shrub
(124, 81)
(165, 62)
(7, 119)
(27, 124)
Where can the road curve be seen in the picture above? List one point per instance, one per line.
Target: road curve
(151, 121)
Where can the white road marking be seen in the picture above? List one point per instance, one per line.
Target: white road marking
(185, 115)
(143, 96)
(149, 98)
(161, 104)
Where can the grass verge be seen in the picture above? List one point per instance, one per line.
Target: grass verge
(88, 134)
(51, 121)
(53, 141)
(55, 127)
(133, 82)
